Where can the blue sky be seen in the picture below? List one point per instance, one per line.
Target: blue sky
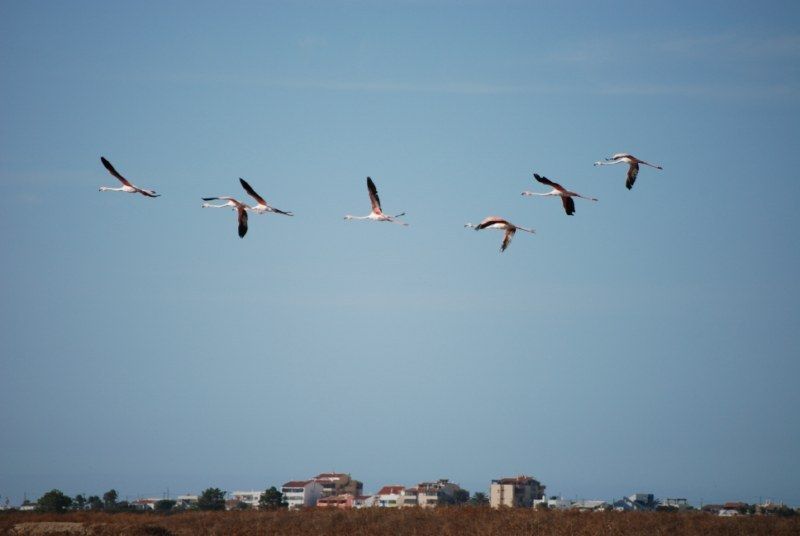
(649, 343)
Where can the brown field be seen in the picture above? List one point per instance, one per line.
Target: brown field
(412, 521)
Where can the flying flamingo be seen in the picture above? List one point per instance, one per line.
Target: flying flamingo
(262, 206)
(495, 222)
(376, 214)
(126, 184)
(558, 190)
(629, 159)
(238, 206)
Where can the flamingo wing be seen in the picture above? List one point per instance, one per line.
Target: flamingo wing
(488, 222)
(148, 193)
(115, 173)
(569, 205)
(242, 221)
(507, 237)
(252, 193)
(633, 171)
(545, 180)
(373, 196)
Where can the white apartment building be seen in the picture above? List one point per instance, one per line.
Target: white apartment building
(391, 496)
(300, 493)
(248, 497)
(553, 502)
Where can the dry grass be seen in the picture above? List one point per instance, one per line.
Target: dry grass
(413, 521)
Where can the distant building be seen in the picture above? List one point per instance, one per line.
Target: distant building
(391, 496)
(518, 491)
(740, 507)
(250, 498)
(144, 504)
(300, 493)
(409, 497)
(770, 508)
(339, 484)
(430, 494)
(638, 502)
(590, 505)
(346, 500)
(712, 508)
(556, 503)
(186, 501)
(673, 504)
(364, 501)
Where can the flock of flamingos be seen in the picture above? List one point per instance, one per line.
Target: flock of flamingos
(492, 222)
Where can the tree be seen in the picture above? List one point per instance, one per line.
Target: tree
(53, 501)
(211, 499)
(94, 503)
(460, 496)
(479, 499)
(79, 502)
(272, 499)
(110, 499)
(165, 505)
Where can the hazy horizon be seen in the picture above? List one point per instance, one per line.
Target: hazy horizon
(648, 343)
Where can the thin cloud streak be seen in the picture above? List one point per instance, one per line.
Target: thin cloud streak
(704, 91)
(489, 89)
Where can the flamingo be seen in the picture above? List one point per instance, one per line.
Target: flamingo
(262, 206)
(629, 159)
(126, 184)
(376, 214)
(496, 222)
(235, 204)
(560, 191)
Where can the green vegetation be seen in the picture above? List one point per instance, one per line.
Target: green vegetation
(272, 499)
(211, 499)
(53, 501)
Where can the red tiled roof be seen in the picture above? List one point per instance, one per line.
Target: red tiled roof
(389, 490)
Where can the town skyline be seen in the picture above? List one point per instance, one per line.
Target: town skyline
(172, 493)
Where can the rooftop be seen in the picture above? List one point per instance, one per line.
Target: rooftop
(296, 484)
(391, 490)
